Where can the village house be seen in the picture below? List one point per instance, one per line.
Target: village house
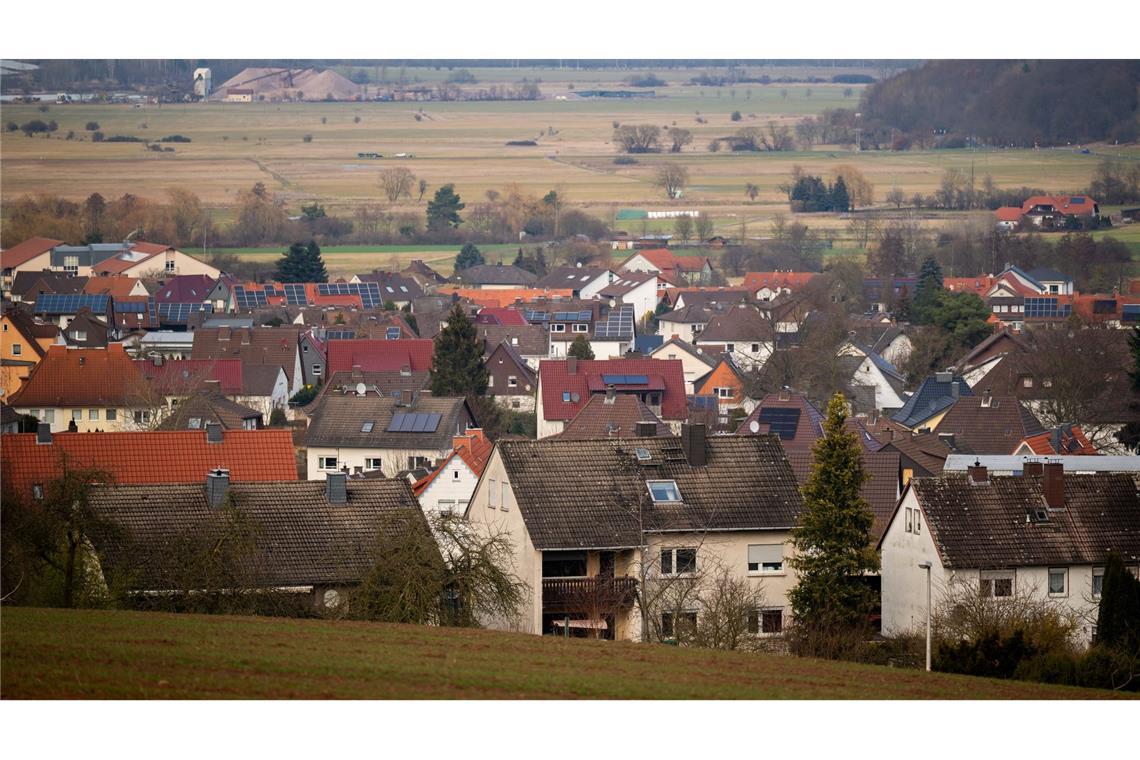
(361, 432)
(635, 289)
(614, 415)
(31, 255)
(675, 270)
(24, 343)
(583, 282)
(767, 286)
(208, 406)
(494, 277)
(266, 347)
(60, 309)
(399, 289)
(381, 382)
(510, 380)
(531, 342)
(315, 541)
(565, 386)
(745, 332)
(988, 424)
(1044, 535)
(927, 405)
(870, 378)
(133, 259)
(448, 488)
(686, 323)
(379, 355)
(27, 287)
(728, 385)
(151, 458)
(605, 530)
(695, 363)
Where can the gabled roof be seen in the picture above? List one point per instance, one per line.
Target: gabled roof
(556, 379)
(423, 270)
(611, 417)
(588, 493)
(880, 490)
(574, 278)
(1044, 274)
(529, 377)
(741, 324)
(88, 377)
(755, 281)
(185, 288)
(31, 330)
(299, 537)
(669, 263)
(86, 330)
(472, 447)
(28, 285)
(380, 355)
(1065, 440)
(1009, 214)
(662, 351)
(261, 379)
(934, 395)
(256, 346)
(528, 340)
(150, 457)
(626, 282)
(500, 316)
(27, 250)
(797, 432)
(495, 274)
(209, 405)
(985, 526)
(990, 425)
(382, 383)
(341, 419)
(393, 286)
(1070, 205)
(119, 286)
(173, 377)
(1000, 342)
(708, 296)
(695, 314)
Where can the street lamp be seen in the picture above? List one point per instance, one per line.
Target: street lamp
(926, 566)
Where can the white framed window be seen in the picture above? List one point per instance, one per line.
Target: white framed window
(677, 623)
(909, 520)
(512, 381)
(505, 501)
(559, 328)
(195, 423)
(372, 463)
(723, 392)
(250, 424)
(71, 264)
(917, 521)
(17, 349)
(316, 370)
(768, 621)
(171, 266)
(455, 474)
(490, 381)
(1058, 581)
(663, 490)
(446, 506)
(1097, 580)
(327, 463)
(142, 416)
(581, 328)
(49, 416)
(93, 414)
(996, 584)
(492, 493)
(77, 415)
(766, 558)
(678, 561)
(79, 335)
(566, 396)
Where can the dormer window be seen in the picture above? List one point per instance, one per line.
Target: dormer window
(664, 491)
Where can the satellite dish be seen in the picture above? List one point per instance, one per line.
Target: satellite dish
(361, 389)
(575, 397)
(754, 426)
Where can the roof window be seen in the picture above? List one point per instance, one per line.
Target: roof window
(663, 490)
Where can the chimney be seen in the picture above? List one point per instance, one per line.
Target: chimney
(1054, 485)
(217, 483)
(977, 474)
(213, 432)
(336, 490)
(407, 397)
(43, 434)
(693, 444)
(955, 389)
(644, 429)
(943, 377)
(1032, 470)
(406, 370)
(611, 391)
(157, 359)
(571, 365)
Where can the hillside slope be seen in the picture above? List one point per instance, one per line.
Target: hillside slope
(89, 654)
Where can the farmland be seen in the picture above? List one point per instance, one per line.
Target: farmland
(89, 654)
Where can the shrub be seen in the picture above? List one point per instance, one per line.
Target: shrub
(355, 119)
(277, 418)
(625, 160)
(92, 126)
(324, 120)
(175, 139)
(13, 126)
(736, 116)
(307, 138)
(35, 126)
(96, 137)
(522, 143)
(305, 395)
(123, 138)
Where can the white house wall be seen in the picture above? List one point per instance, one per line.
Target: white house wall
(451, 489)
(392, 461)
(903, 581)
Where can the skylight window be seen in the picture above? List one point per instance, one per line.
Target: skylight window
(642, 454)
(366, 427)
(664, 490)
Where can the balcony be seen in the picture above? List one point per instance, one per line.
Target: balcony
(587, 594)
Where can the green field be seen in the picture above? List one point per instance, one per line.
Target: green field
(88, 654)
(347, 260)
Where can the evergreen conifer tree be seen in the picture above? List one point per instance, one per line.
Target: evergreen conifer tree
(1129, 435)
(840, 198)
(928, 290)
(833, 542)
(302, 263)
(457, 367)
(469, 256)
(1118, 617)
(580, 348)
(443, 210)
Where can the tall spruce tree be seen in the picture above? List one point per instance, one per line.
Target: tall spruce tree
(580, 348)
(833, 542)
(443, 210)
(302, 263)
(469, 256)
(928, 290)
(457, 367)
(1118, 617)
(840, 198)
(1129, 435)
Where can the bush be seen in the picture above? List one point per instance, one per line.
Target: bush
(92, 126)
(305, 395)
(35, 126)
(625, 160)
(13, 126)
(735, 116)
(97, 137)
(522, 143)
(175, 139)
(277, 418)
(123, 138)
(307, 138)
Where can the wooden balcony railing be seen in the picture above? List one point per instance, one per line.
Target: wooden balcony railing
(587, 594)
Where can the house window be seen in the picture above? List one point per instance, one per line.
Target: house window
(580, 328)
(38, 491)
(490, 381)
(446, 506)
(327, 463)
(372, 463)
(770, 621)
(142, 416)
(77, 415)
(512, 381)
(71, 264)
(17, 349)
(917, 521)
(195, 423)
(1027, 382)
(250, 424)
(92, 414)
(678, 561)
(171, 266)
(730, 347)
(49, 416)
(909, 520)
(414, 463)
(506, 496)
(723, 392)
(492, 493)
(755, 348)
(112, 415)
(663, 490)
(766, 558)
(1058, 581)
(316, 370)
(566, 397)
(996, 584)
(558, 328)
(79, 335)
(1097, 580)
(674, 624)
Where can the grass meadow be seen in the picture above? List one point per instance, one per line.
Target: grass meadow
(90, 654)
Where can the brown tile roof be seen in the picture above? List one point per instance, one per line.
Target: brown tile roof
(87, 324)
(586, 494)
(117, 286)
(615, 417)
(209, 405)
(880, 490)
(26, 251)
(993, 429)
(29, 285)
(808, 427)
(742, 323)
(265, 346)
(338, 421)
(985, 526)
(300, 538)
(495, 274)
(528, 340)
(150, 457)
(89, 377)
(386, 383)
(31, 330)
(174, 377)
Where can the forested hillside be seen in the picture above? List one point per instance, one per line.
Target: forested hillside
(1008, 102)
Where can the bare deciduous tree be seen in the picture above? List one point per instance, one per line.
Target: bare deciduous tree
(397, 182)
(637, 138)
(672, 178)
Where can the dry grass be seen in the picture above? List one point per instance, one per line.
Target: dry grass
(70, 654)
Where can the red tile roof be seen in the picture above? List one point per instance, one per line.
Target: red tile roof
(556, 379)
(379, 355)
(473, 448)
(979, 285)
(181, 375)
(70, 377)
(1009, 214)
(116, 286)
(26, 251)
(152, 248)
(497, 315)
(754, 281)
(505, 296)
(1072, 442)
(151, 457)
(185, 288)
(1065, 204)
(667, 262)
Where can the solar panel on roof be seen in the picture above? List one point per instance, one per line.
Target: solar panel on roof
(1077, 199)
(414, 422)
(340, 334)
(1130, 312)
(782, 421)
(70, 303)
(130, 307)
(179, 313)
(295, 294)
